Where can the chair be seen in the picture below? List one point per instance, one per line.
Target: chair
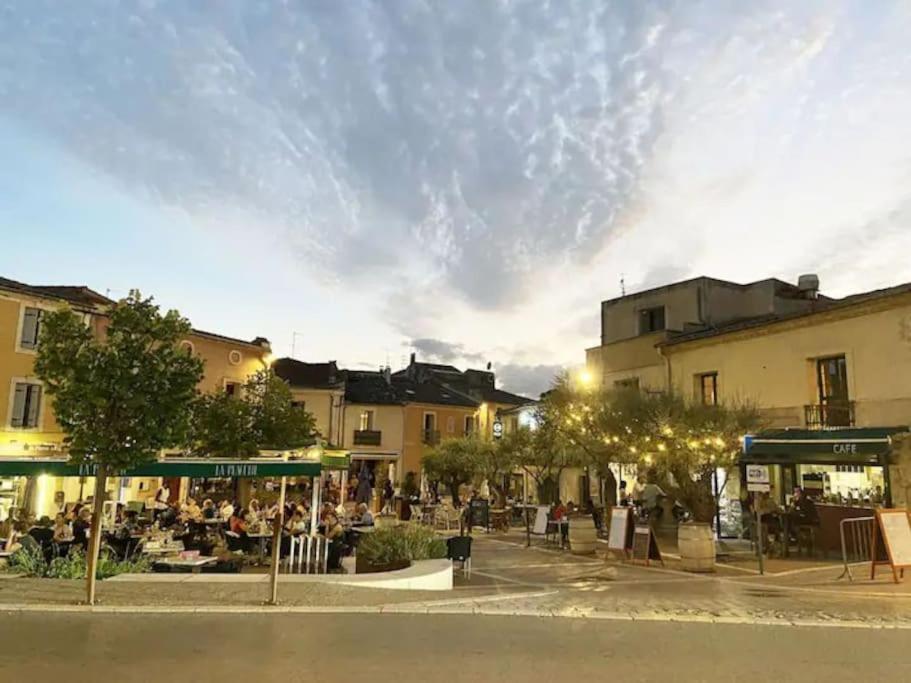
(806, 538)
(458, 549)
(417, 514)
(449, 517)
(236, 542)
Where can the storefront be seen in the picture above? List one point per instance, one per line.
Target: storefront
(844, 471)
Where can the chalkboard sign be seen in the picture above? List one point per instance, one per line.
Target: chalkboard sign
(892, 533)
(619, 537)
(479, 513)
(645, 547)
(540, 520)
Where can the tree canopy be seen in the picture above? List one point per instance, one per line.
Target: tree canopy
(122, 398)
(263, 416)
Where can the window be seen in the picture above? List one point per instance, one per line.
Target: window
(628, 383)
(31, 328)
(232, 389)
(26, 405)
(469, 424)
(832, 380)
(651, 319)
(366, 421)
(299, 405)
(707, 385)
(450, 425)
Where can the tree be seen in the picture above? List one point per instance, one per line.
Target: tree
(121, 399)
(262, 417)
(496, 461)
(454, 462)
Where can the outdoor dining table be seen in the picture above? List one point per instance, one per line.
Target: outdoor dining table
(262, 536)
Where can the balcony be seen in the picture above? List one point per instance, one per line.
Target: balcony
(367, 437)
(430, 437)
(828, 415)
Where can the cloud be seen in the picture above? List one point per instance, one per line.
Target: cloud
(526, 380)
(468, 144)
(437, 350)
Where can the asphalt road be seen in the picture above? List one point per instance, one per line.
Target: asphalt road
(403, 648)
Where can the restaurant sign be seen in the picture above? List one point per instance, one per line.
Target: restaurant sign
(168, 467)
(758, 478)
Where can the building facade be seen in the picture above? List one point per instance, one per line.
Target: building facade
(824, 373)
(28, 427)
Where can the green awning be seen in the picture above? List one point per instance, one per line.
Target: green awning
(855, 446)
(169, 467)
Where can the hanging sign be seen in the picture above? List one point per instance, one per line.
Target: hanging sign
(758, 478)
(497, 429)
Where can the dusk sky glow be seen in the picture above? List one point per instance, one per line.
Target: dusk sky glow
(467, 180)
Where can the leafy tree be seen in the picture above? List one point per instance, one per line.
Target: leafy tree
(122, 398)
(454, 462)
(262, 417)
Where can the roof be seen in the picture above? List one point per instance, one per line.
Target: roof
(80, 295)
(432, 391)
(258, 342)
(370, 387)
(823, 306)
(310, 375)
(782, 288)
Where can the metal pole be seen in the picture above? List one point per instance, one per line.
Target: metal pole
(759, 537)
(717, 501)
(317, 484)
(277, 525)
(525, 510)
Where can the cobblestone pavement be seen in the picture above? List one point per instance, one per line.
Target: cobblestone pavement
(509, 579)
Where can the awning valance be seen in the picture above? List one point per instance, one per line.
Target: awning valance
(855, 446)
(169, 467)
(335, 460)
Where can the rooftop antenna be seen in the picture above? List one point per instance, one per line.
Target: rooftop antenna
(622, 285)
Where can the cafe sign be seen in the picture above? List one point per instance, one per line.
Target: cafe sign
(758, 478)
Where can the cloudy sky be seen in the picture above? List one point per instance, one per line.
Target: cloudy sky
(463, 179)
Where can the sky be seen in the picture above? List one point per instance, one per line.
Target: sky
(467, 180)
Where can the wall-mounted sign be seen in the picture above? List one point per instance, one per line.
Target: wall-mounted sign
(497, 429)
(758, 478)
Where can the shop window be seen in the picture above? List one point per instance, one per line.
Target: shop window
(707, 386)
(651, 320)
(26, 410)
(31, 328)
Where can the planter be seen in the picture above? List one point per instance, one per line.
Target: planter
(363, 567)
(583, 536)
(696, 545)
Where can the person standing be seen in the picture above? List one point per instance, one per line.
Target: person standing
(162, 497)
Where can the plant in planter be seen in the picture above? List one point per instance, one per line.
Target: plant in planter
(396, 547)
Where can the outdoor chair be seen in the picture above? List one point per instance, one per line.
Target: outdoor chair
(448, 518)
(458, 549)
(236, 542)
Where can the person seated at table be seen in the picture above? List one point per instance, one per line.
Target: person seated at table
(335, 534)
(325, 511)
(7, 525)
(81, 526)
(296, 524)
(73, 514)
(254, 509)
(168, 517)
(62, 531)
(208, 509)
(16, 535)
(225, 510)
(802, 510)
(362, 516)
(190, 511)
(238, 522)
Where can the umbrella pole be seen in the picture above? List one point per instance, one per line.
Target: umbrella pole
(277, 525)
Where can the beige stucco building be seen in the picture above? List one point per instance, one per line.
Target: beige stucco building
(809, 363)
(28, 427)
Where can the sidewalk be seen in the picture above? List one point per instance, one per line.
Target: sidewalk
(510, 579)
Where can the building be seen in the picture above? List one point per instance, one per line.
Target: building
(29, 427)
(831, 377)
(633, 326)
(393, 419)
(318, 388)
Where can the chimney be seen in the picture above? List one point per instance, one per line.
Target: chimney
(489, 365)
(387, 375)
(413, 356)
(808, 286)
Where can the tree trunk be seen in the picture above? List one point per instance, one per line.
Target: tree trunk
(95, 536)
(454, 491)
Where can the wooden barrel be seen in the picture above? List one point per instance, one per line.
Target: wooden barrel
(583, 536)
(696, 545)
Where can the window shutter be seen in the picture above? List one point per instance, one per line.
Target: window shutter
(30, 320)
(34, 406)
(18, 417)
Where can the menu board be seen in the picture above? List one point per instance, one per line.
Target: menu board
(618, 537)
(893, 529)
(645, 547)
(479, 513)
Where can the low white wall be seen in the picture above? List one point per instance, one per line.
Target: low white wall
(426, 575)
